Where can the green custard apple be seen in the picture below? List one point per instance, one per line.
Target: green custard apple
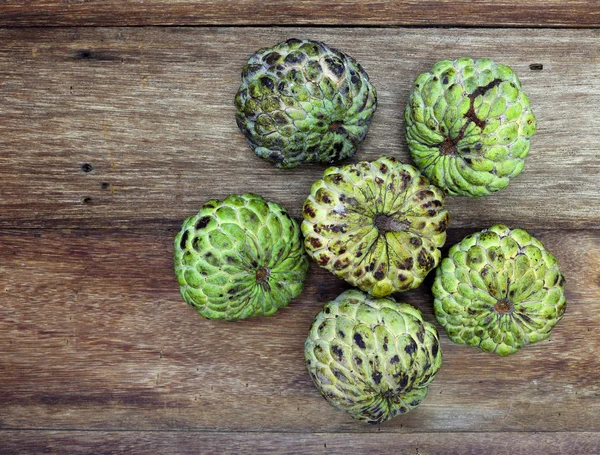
(468, 126)
(240, 257)
(499, 289)
(373, 358)
(378, 225)
(301, 101)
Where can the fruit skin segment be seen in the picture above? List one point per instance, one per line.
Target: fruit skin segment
(378, 225)
(468, 126)
(240, 257)
(303, 102)
(373, 358)
(500, 290)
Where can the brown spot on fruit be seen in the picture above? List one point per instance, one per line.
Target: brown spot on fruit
(308, 210)
(323, 260)
(315, 242)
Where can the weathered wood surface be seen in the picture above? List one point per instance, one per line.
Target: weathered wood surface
(181, 443)
(491, 13)
(149, 114)
(94, 335)
(109, 137)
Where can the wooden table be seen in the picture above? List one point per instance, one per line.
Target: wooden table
(119, 123)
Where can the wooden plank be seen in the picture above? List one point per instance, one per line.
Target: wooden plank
(546, 13)
(94, 335)
(181, 443)
(151, 112)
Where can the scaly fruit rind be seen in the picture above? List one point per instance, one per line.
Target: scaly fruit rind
(373, 358)
(500, 290)
(301, 101)
(240, 257)
(468, 126)
(378, 225)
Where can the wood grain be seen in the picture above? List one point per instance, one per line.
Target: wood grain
(181, 443)
(491, 13)
(95, 336)
(135, 127)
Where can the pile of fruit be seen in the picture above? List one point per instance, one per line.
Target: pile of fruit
(378, 225)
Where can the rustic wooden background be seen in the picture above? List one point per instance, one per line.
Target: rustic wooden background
(119, 123)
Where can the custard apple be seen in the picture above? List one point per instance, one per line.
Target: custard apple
(499, 289)
(372, 357)
(378, 225)
(301, 101)
(240, 257)
(468, 125)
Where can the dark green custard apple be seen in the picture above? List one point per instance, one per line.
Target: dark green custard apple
(301, 101)
(499, 289)
(373, 358)
(378, 225)
(240, 257)
(468, 126)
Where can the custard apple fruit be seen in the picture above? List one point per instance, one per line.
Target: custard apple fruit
(378, 225)
(240, 257)
(301, 101)
(373, 358)
(499, 289)
(468, 126)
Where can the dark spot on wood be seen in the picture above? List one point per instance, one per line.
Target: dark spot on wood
(86, 199)
(359, 340)
(536, 67)
(87, 167)
(86, 54)
(105, 185)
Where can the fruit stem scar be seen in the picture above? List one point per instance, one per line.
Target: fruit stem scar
(449, 146)
(333, 126)
(386, 223)
(262, 276)
(504, 306)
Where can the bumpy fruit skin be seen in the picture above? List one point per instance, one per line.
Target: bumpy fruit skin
(378, 225)
(468, 126)
(499, 289)
(301, 101)
(240, 257)
(372, 357)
